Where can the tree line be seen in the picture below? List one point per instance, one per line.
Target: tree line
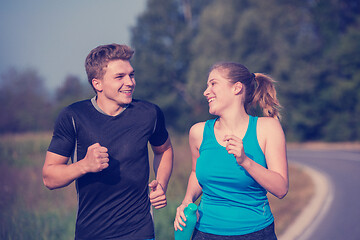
(311, 48)
(28, 106)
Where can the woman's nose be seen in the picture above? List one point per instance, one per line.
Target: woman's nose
(206, 92)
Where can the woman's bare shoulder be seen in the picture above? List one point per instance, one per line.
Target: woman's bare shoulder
(197, 129)
(197, 126)
(268, 121)
(269, 125)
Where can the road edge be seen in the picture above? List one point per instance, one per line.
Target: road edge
(314, 212)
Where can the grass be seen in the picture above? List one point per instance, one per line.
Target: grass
(30, 211)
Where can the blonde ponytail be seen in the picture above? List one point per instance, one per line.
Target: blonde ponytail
(265, 96)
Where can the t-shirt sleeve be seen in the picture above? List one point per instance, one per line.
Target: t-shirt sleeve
(160, 134)
(63, 140)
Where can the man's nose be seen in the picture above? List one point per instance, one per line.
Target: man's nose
(129, 80)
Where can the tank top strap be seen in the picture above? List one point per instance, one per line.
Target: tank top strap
(209, 129)
(251, 130)
(208, 134)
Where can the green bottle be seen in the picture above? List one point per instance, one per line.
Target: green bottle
(190, 214)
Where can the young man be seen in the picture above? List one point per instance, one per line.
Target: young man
(107, 138)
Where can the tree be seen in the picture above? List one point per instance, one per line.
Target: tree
(161, 40)
(72, 90)
(25, 101)
(342, 90)
(293, 42)
(310, 47)
(251, 32)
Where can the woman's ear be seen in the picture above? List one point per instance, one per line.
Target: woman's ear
(238, 87)
(97, 84)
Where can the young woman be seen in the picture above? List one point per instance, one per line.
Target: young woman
(236, 158)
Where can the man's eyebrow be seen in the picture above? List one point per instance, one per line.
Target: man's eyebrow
(119, 74)
(123, 74)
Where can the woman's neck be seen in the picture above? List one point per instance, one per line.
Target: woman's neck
(233, 122)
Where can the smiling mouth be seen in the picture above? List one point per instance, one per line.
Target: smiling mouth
(128, 92)
(210, 100)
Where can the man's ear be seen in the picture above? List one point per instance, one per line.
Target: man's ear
(238, 87)
(97, 84)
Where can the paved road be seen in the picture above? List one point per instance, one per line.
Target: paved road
(339, 217)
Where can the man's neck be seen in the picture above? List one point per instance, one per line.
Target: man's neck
(107, 107)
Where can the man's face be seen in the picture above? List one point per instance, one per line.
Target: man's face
(118, 83)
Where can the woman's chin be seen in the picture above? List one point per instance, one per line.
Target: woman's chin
(212, 112)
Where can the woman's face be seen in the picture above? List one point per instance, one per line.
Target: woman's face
(219, 92)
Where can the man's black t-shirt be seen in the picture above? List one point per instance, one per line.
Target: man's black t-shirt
(113, 203)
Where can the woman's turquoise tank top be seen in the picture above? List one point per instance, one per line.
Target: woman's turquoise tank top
(233, 203)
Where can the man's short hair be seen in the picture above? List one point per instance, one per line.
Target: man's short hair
(98, 59)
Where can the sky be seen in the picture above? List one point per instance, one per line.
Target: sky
(54, 37)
